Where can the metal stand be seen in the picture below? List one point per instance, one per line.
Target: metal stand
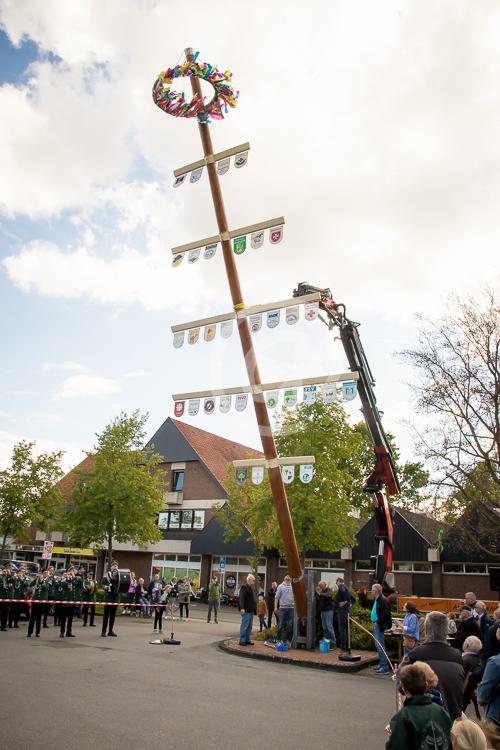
(347, 656)
(308, 639)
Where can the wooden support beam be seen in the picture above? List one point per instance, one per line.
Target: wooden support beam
(282, 461)
(263, 387)
(277, 222)
(216, 157)
(314, 297)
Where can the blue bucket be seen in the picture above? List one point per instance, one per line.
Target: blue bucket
(324, 647)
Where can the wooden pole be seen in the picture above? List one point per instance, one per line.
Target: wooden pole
(265, 430)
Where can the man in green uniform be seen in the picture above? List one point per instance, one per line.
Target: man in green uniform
(40, 592)
(46, 607)
(89, 592)
(20, 585)
(111, 585)
(5, 593)
(68, 590)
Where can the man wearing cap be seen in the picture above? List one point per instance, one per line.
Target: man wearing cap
(5, 593)
(111, 584)
(468, 625)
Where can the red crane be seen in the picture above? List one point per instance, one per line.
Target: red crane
(382, 480)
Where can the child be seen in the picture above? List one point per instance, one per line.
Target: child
(262, 612)
(420, 723)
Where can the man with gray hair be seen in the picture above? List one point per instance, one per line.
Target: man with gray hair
(484, 620)
(247, 610)
(444, 660)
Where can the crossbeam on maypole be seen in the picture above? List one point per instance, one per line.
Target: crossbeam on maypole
(265, 431)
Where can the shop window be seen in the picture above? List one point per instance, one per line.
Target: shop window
(402, 567)
(182, 558)
(177, 484)
(163, 520)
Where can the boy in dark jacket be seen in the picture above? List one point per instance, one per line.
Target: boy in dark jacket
(420, 723)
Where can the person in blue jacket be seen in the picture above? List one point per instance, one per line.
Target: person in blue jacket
(488, 691)
(411, 629)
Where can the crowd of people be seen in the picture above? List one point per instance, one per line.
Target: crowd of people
(445, 665)
(75, 592)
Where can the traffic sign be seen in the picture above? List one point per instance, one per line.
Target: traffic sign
(222, 563)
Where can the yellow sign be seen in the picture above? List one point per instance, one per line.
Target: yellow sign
(73, 551)
(431, 604)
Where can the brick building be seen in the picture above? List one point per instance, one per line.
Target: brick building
(195, 467)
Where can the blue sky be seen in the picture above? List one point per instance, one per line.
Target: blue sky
(372, 130)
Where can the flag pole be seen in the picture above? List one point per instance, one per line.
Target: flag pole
(264, 424)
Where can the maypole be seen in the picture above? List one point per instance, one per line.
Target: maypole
(278, 468)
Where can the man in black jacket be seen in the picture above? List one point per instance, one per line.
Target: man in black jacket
(444, 660)
(247, 609)
(271, 596)
(381, 621)
(468, 625)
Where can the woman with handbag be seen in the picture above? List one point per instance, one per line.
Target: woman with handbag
(411, 630)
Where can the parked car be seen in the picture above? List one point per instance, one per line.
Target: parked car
(32, 568)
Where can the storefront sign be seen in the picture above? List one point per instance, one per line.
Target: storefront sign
(230, 582)
(48, 546)
(73, 551)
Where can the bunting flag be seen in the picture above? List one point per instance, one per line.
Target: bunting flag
(240, 244)
(292, 315)
(256, 322)
(223, 165)
(226, 329)
(290, 397)
(288, 474)
(241, 159)
(179, 180)
(241, 401)
(209, 405)
(177, 260)
(194, 255)
(257, 474)
(310, 394)
(193, 335)
(196, 174)
(275, 235)
(179, 408)
(179, 339)
(306, 473)
(272, 399)
(311, 310)
(349, 390)
(225, 404)
(257, 239)
(329, 393)
(193, 406)
(210, 251)
(273, 318)
(209, 332)
(241, 476)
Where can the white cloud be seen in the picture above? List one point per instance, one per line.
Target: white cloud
(73, 453)
(87, 386)
(69, 366)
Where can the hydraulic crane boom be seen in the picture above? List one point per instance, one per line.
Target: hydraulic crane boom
(383, 479)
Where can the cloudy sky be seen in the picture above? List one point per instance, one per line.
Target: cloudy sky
(373, 130)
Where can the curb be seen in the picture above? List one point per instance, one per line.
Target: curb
(346, 667)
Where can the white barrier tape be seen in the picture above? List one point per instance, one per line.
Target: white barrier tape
(60, 601)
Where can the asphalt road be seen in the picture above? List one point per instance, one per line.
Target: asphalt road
(92, 693)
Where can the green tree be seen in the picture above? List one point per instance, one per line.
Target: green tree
(28, 492)
(120, 498)
(457, 361)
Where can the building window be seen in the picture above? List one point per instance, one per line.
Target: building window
(412, 567)
(177, 480)
(476, 569)
(363, 565)
(315, 564)
(173, 520)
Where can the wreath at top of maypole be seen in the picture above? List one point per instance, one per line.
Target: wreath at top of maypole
(174, 103)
